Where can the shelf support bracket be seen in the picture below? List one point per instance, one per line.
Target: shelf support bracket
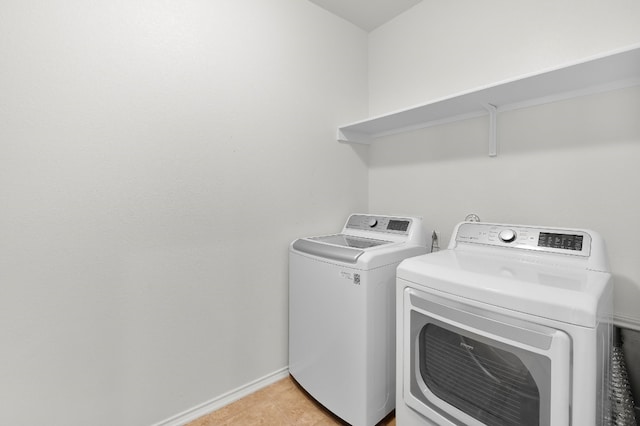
(493, 142)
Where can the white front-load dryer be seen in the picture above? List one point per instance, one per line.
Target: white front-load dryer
(342, 313)
(510, 326)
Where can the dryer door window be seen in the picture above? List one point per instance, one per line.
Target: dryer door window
(485, 381)
(475, 366)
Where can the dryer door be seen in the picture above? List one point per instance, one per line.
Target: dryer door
(471, 366)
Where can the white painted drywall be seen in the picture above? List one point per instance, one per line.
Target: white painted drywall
(440, 48)
(156, 159)
(570, 164)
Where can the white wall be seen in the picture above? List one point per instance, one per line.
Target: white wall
(156, 158)
(440, 48)
(571, 164)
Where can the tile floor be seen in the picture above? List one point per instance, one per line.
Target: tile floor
(282, 403)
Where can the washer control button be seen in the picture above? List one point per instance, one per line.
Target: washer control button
(372, 222)
(507, 235)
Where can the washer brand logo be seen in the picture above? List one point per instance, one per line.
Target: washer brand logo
(346, 275)
(467, 347)
(356, 279)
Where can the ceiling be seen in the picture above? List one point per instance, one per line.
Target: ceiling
(366, 14)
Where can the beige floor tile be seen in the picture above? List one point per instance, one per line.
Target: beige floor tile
(282, 403)
(262, 413)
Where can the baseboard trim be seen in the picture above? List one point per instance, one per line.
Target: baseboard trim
(224, 399)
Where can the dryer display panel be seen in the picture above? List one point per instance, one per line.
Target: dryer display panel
(548, 240)
(561, 241)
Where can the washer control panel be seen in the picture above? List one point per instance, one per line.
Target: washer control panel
(394, 225)
(552, 240)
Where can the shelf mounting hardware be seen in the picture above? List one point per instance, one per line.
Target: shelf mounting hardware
(493, 142)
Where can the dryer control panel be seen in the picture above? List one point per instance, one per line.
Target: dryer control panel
(552, 240)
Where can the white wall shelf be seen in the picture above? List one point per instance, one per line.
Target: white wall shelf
(598, 74)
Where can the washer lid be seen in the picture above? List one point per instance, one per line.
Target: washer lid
(344, 248)
(350, 241)
(520, 283)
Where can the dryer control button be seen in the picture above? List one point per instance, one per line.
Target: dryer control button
(507, 235)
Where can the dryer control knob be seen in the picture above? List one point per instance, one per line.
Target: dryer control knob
(507, 235)
(372, 222)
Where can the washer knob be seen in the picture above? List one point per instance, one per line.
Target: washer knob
(508, 235)
(372, 222)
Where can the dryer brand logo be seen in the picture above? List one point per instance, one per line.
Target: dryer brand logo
(356, 279)
(465, 346)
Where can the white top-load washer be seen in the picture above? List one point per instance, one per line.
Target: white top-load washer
(511, 325)
(342, 313)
